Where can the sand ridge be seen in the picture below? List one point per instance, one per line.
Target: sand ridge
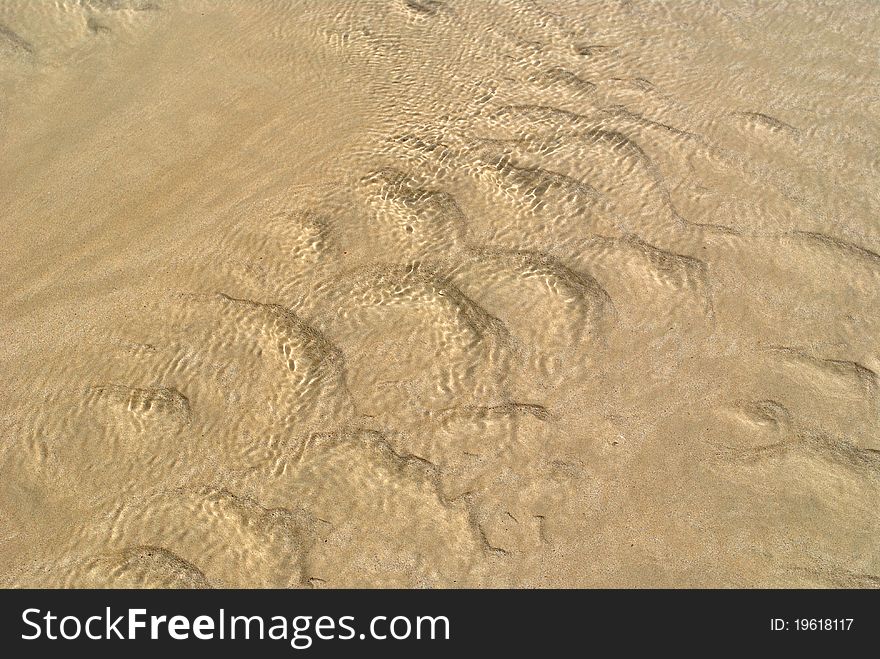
(439, 294)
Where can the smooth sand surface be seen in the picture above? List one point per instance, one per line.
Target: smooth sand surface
(421, 293)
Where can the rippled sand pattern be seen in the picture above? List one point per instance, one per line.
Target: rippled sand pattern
(439, 293)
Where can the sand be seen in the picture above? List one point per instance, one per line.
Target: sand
(439, 294)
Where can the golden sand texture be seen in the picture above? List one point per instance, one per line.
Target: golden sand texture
(439, 293)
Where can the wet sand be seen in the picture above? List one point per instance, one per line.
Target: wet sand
(419, 293)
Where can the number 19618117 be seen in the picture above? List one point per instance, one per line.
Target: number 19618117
(813, 624)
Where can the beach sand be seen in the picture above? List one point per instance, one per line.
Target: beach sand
(423, 293)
